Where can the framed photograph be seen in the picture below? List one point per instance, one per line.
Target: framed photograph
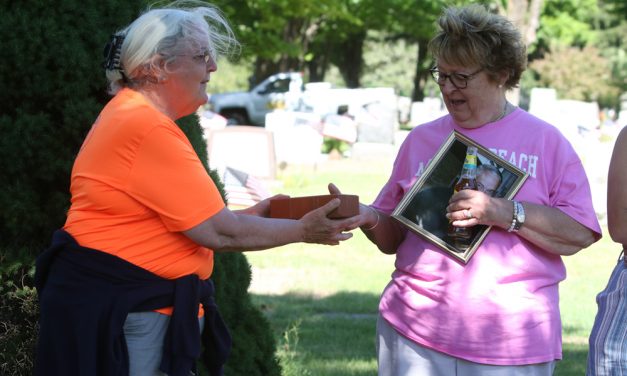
(423, 208)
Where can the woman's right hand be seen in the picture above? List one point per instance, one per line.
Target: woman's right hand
(368, 216)
(379, 227)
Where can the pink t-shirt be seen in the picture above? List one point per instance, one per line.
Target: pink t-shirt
(502, 307)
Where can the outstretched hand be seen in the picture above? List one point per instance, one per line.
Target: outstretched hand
(319, 228)
(262, 208)
(376, 225)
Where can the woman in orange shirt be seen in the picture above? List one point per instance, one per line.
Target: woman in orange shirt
(141, 195)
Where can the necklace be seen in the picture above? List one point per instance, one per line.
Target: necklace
(502, 115)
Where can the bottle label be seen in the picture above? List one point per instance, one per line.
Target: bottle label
(470, 161)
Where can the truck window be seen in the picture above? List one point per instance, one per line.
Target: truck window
(278, 86)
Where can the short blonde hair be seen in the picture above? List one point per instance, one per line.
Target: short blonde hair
(159, 34)
(472, 36)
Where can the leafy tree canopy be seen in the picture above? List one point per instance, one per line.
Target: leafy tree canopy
(562, 70)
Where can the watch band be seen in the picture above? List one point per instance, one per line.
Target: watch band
(511, 227)
(519, 217)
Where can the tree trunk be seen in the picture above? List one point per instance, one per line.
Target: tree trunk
(349, 59)
(264, 68)
(525, 14)
(421, 74)
(298, 32)
(317, 68)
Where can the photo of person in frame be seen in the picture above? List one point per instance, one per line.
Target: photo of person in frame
(488, 179)
(428, 207)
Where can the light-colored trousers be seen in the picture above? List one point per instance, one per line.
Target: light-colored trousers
(399, 356)
(144, 333)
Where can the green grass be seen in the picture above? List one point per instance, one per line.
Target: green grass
(322, 301)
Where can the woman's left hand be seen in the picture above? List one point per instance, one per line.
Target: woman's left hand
(469, 208)
(547, 227)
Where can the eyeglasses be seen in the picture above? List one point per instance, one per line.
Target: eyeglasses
(459, 80)
(205, 57)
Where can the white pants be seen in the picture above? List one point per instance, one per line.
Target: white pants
(399, 356)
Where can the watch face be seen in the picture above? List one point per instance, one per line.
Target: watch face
(520, 216)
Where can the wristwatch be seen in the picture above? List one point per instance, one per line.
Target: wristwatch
(518, 219)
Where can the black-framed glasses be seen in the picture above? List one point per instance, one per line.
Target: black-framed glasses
(459, 80)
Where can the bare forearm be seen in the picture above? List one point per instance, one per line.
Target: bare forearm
(383, 231)
(253, 233)
(229, 231)
(554, 231)
(616, 194)
(617, 225)
(549, 228)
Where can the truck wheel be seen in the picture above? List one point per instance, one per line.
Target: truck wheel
(235, 118)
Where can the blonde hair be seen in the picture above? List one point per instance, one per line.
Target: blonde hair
(471, 36)
(160, 34)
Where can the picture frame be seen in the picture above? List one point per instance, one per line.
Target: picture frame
(423, 208)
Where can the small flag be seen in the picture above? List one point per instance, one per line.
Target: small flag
(243, 189)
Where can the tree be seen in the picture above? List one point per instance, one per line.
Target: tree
(313, 36)
(612, 43)
(341, 44)
(571, 26)
(562, 70)
(299, 34)
(525, 14)
(564, 24)
(276, 34)
(379, 72)
(403, 25)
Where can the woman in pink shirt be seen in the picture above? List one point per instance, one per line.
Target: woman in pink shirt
(499, 313)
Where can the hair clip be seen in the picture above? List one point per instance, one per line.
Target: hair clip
(112, 51)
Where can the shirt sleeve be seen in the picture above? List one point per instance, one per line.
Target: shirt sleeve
(571, 194)
(400, 180)
(168, 177)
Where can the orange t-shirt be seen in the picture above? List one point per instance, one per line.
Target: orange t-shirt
(136, 184)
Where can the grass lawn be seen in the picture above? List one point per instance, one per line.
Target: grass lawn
(322, 301)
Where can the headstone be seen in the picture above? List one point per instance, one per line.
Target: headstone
(542, 103)
(297, 137)
(246, 148)
(376, 122)
(429, 109)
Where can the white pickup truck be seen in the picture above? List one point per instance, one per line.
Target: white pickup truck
(282, 90)
(374, 109)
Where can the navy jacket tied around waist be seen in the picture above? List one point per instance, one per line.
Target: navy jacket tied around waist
(85, 296)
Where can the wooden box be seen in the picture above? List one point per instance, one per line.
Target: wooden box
(297, 207)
